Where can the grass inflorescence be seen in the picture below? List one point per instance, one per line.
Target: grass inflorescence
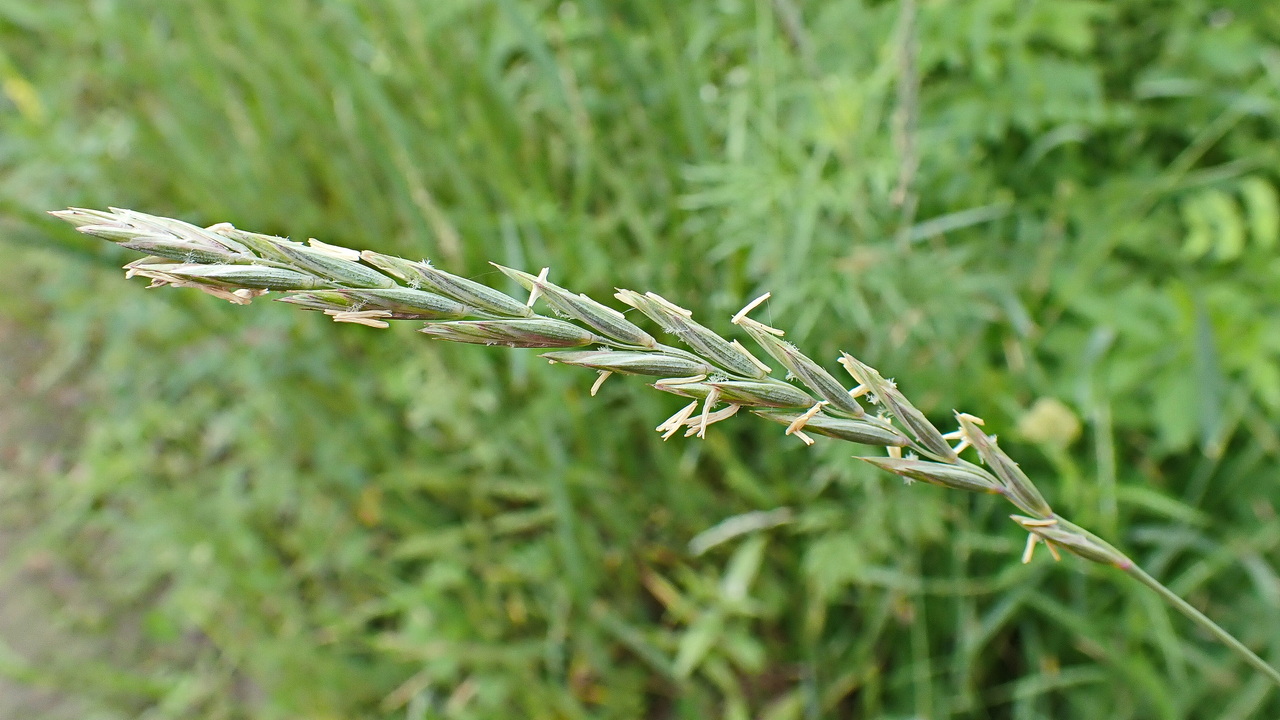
(718, 375)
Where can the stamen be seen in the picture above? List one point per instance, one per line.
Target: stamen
(747, 322)
(807, 440)
(1030, 549)
(895, 452)
(749, 307)
(798, 424)
(724, 414)
(379, 324)
(848, 366)
(604, 375)
(713, 397)
(1053, 551)
(363, 317)
(681, 381)
(668, 304)
(536, 290)
(713, 418)
(763, 368)
(335, 251)
(220, 293)
(673, 423)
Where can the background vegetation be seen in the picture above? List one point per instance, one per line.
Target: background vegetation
(1061, 216)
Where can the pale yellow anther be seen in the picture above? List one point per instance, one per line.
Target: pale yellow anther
(713, 397)
(750, 324)
(244, 296)
(604, 375)
(964, 433)
(536, 290)
(694, 425)
(798, 424)
(1038, 522)
(724, 414)
(676, 421)
(368, 318)
(1053, 551)
(737, 318)
(803, 437)
(1030, 549)
(219, 293)
(668, 304)
(680, 380)
(895, 452)
(754, 360)
(848, 366)
(368, 322)
(334, 251)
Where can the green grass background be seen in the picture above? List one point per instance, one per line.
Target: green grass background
(233, 512)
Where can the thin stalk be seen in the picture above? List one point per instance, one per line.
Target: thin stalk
(1091, 547)
(1203, 621)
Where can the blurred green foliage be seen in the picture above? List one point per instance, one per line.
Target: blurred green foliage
(1069, 206)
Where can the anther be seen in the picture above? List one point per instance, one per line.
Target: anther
(676, 421)
(536, 290)
(604, 375)
(713, 397)
(749, 307)
(798, 424)
(1030, 549)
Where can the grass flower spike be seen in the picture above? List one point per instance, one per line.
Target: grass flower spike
(719, 376)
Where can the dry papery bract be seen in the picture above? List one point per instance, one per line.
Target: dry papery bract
(719, 376)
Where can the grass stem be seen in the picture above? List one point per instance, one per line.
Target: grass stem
(1203, 621)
